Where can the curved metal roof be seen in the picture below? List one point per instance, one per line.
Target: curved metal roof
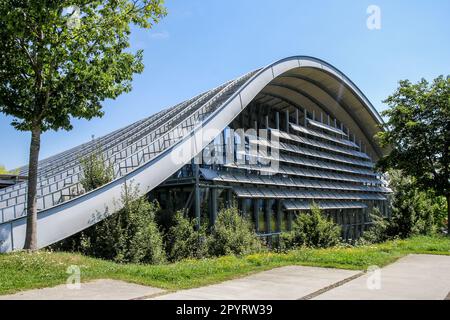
(151, 150)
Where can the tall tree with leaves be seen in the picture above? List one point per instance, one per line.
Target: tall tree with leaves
(59, 59)
(418, 130)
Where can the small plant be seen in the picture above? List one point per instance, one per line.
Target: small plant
(232, 234)
(95, 171)
(183, 241)
(311, 229)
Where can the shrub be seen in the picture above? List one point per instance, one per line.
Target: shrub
(95, 171)
(128, 235)
(414, 211)
(379, 231)
(95, 174)
(232, 234)
(183, 241)
(131, 234)
(311, 229)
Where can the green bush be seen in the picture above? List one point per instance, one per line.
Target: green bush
(95, 171)
(128, 235)
(232, 234)
(94, 174)
(311, 229)
(183, 241)
(414, 211)
(379, 231)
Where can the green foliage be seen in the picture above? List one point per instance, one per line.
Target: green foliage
(95, 171)
(311, 229)
(129, 235)
(414, 211)
(61, 59)
(3, 170)
(418, 131)
(95, 174)
(232, 234)
(183, 241)
(379, 230)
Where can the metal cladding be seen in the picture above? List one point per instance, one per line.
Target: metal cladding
(321, 130)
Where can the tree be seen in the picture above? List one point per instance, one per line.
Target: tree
(418, 131)
(59, 60)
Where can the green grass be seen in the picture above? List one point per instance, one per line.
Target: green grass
(22, 270)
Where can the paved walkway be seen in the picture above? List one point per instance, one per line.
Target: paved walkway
(94, 290)
(412, 277)
(283, 283)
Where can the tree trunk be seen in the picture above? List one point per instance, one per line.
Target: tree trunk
(31, 232)
(448, 214)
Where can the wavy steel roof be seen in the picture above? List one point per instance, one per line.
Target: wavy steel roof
(141, 150)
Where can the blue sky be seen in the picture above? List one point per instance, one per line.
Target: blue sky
(203, 43)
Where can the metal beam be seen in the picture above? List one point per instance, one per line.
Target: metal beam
(342, 104)
(267, 213)
(213, 209)
(197, 196)
(255, 203)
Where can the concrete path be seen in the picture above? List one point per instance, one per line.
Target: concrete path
(94, 290)
(412, 277)
(424, 277)
(285, 283)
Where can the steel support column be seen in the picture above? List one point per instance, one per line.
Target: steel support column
(255, 203)
(287, 121)
(279, 215)
(277, 120)
(213, 208)
(229, 199)
(267, 213)
(197, 196)
(289, 222)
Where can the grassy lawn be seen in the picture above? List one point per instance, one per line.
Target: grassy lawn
(21, 270)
